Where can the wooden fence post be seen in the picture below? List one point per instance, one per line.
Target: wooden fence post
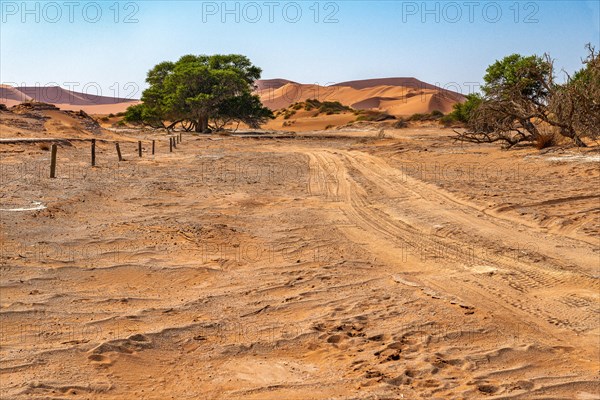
(140, 148)
(118, 151)
(53, 161)
(174, 143)
(153, 147)
(93, 152)
(170, 145)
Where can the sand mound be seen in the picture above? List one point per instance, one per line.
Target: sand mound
(10, 93)
(37, 120)
(58, 95)
(397, 96)
(64, 99)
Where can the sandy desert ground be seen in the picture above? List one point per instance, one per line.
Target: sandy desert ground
(325, 265)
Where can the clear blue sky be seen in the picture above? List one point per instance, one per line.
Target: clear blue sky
(109, 43)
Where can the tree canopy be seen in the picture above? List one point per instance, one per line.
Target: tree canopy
(201, 93)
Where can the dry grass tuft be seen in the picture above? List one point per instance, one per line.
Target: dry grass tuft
(545, 140)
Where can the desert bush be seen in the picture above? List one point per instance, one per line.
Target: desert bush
(329, 127)
(44, 146)
(326, 107)
(288, 114)
(311, 104)
(111, 115)
(545, 140)
(400, 124)
(448, 120)
(104, 119)
(462, 112)
(436, 114)
(374, 116)
(333, 107)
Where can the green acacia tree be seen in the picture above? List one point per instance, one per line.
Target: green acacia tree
(462, 112)
(199, 92)
(517, 89)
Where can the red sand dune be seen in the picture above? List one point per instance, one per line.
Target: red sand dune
(64, 99)
(404, 82)
(263, 84)
(12, 96)
(397, 96)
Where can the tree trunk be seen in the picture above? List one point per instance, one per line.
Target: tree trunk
(202, 125)
(530, 127)
(204, 122)
(571, 134)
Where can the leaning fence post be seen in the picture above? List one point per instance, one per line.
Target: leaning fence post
(53, 161)
(118, 151)
(93, 152)
(140, 148)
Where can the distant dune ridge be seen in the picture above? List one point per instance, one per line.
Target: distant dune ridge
(10, 95)
(64, 99)
(397, 96)
(263, 84)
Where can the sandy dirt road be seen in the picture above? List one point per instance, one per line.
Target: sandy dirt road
(310, 268)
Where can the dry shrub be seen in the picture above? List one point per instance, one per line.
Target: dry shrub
(44, 146)
(545, 140)
(400, 124)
